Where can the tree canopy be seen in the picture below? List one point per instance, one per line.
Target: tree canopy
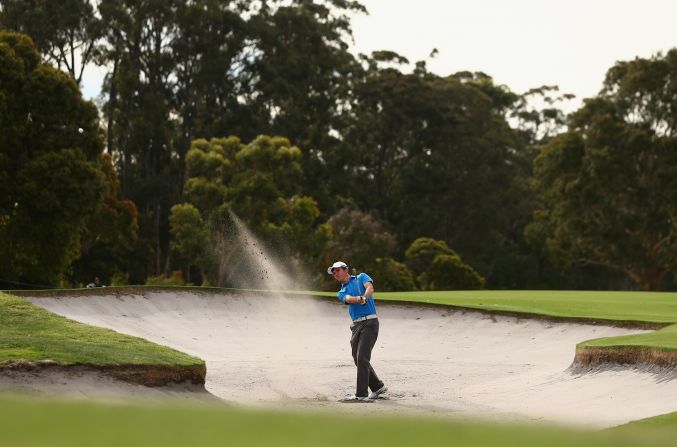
(50, 178)
(261, 109)
(609, 184)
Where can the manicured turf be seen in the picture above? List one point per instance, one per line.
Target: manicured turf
(639, 307)
(664, 339)
(39, 422)
(651, 307)
(32, 333)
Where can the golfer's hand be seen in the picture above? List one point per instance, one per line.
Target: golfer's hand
(363, 300)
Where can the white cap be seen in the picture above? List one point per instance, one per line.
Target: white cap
(336, 264)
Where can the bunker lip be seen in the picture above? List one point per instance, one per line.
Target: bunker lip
(626, 324)
(147, 375)
(142, 290)
(585, 357)
(634, 356)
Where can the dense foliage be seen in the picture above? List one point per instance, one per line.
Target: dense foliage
(609, 184)
(259, 108)
(51, 182)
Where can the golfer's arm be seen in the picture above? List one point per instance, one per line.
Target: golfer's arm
(368, 290)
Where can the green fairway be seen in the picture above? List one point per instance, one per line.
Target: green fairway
(39, 422)
(622, 307)
(649, 307)
(31, 333)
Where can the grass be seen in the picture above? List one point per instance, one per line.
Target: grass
(667, 422)
(32, 333)
(649, 307)
(40, 422)
(664, 339)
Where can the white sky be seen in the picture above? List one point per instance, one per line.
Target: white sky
(520, 43)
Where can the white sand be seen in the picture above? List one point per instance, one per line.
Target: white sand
(295, 352)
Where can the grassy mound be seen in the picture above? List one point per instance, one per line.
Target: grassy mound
(29, 333)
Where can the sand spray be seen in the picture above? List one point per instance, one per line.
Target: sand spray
(245, 262)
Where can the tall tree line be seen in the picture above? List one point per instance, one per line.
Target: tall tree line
(446, 157)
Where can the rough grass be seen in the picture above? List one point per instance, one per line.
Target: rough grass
(39, 422)
(29, 332)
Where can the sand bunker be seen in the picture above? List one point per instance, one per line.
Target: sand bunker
(295, 351)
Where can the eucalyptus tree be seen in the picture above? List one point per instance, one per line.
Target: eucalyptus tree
(609, 185)
(435, 156)
(66, 32)
(301, 81)
(141, 128)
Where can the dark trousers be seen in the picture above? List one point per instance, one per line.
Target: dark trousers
(362, 341)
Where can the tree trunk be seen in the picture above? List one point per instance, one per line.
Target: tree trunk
(112, 103)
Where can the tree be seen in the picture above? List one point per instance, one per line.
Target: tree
(141, 128)
(538, 113)
(435, 155)
(108, 247)
(211, 63)
(301, 81)
(609, 185)
(190, 240)
(64, 32)
(51, 183)
(260, 182)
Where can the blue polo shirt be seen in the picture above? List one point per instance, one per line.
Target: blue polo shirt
(356, 287)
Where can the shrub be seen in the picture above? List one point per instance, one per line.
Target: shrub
(119, 279)
(448, 272)
(358, 238)
(176, 279)
(421, 253)
(392, 276)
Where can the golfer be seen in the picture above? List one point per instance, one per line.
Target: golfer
(358, 293)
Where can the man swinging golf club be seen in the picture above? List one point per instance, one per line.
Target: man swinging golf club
(358, 293)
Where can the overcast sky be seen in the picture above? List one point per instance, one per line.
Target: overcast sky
(520, 43)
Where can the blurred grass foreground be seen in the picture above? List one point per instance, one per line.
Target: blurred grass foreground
(40, 422)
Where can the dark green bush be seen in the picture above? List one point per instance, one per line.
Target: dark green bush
(420, 254)
(391, 276)
(448, 272)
